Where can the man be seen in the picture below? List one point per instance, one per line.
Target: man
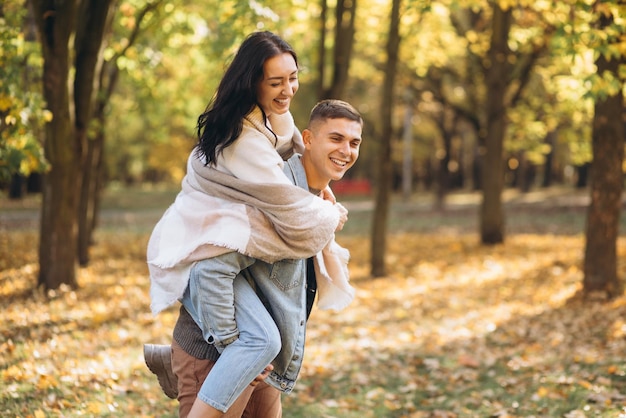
(332, 140)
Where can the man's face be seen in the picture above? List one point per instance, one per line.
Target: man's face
(332, 147)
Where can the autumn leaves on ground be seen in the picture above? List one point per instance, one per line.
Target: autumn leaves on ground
(454, 330)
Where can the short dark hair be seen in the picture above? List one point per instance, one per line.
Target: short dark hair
(334, 109)
(222, 121)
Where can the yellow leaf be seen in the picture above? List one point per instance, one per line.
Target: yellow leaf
(46, 382)
(48, 115)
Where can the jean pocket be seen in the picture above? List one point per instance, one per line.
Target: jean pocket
(288, 274)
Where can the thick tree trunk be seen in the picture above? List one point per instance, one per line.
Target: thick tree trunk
(492, 167)
(383, 186)
(57, 245)
(607, 182)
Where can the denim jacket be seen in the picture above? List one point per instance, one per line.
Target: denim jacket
(285, 294)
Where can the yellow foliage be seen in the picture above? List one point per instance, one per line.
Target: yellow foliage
(5, 102)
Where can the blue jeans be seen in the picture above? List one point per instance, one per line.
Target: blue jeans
(245, 350)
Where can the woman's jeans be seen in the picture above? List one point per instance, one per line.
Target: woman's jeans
(244, 358)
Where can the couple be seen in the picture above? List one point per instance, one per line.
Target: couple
(242, 247)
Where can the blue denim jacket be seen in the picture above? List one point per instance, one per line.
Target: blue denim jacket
(285, 293)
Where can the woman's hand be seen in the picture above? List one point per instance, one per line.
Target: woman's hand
(328, 194)
(343, 216)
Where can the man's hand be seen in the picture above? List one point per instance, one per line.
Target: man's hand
(262, 376)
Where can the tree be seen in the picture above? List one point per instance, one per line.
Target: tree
(496, 75)
(88, 75)
(65, 134)
(107, 73)
(21, 111)
(345, 16)
(504, 73)
(385, 165)
(607, 175)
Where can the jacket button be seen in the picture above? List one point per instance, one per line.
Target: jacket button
(283, 385)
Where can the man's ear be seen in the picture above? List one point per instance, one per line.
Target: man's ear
(306, 137)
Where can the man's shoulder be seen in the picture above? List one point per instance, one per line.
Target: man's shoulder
(294, 170)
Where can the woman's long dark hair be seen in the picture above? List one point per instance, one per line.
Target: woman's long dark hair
(222, 121)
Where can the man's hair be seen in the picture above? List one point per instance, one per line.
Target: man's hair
(334, 109)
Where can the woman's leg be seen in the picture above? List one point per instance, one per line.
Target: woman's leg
(245, 358)
(257, 401)
(209, 296)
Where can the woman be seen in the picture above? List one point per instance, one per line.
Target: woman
(205, 240)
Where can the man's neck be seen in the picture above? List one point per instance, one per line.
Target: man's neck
(316, 184)
(316, 192)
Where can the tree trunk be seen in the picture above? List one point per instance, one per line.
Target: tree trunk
(16, 186)
(94, 179)
(383, 189)
(607, 180)
(88, 200)
(108, 74)
(492, 167)
(88, 45)
(407, 152)
(447, 126)
(321, 64)
(90, 195)
(57, 244)
(549, 164)
(344, 39)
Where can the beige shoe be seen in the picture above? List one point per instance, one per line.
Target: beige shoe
(159, 360)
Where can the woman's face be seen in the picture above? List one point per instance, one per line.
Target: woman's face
(279, 84)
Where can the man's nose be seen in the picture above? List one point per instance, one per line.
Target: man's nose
(345, 148)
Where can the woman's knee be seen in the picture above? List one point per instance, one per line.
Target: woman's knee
(266, 341)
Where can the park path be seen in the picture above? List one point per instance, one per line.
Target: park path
(17, 215)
